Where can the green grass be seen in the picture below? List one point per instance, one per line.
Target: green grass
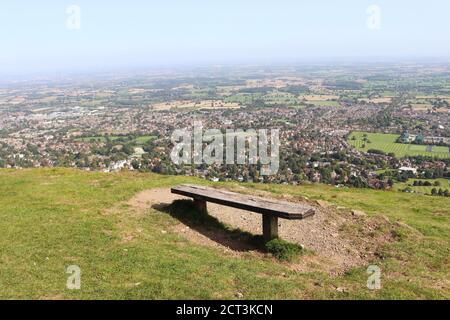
(444, 184)
(138, 140)
(270, 99)
(386, 143)
(281, 98)
(283, 250)
(244, 98)
(322, 103)
(53, 218)
(144, 139)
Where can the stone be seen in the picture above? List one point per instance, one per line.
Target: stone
(358, 213)
(323, 204)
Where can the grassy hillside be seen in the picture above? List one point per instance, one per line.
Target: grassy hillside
(53, 218)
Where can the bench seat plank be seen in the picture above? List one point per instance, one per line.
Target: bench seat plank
(280, 209)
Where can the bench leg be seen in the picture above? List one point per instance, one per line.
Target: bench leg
(270, 227)
(201, 205)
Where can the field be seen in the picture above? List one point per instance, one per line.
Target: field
(203, 104)
(272, 98)
(421, 107)
(281, 98)
(319, 97)
(443, 183)
(53, 218)
(376, 100)
(386, 143)
(284, 98)
(322, 103)
(243, 98)
(321, 100)
(138, 140)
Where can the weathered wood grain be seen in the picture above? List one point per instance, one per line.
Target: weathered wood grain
(275, 208)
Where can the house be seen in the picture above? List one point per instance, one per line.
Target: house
(408, 169)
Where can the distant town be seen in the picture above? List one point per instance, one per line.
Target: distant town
(368, 126)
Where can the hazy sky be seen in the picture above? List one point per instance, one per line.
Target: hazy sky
(39, 36)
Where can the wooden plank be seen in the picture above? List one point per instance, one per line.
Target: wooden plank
(281, 209)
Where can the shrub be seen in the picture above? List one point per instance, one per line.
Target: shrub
(376, 151)
(283, 250)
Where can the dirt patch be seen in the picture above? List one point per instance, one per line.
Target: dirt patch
(158, 199)
(148, 198)
(52, 297)
(338, 240)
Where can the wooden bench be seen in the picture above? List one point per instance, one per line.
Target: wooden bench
(270, 209)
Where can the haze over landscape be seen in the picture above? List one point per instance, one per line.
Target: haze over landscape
(231, 150)
(35, 36)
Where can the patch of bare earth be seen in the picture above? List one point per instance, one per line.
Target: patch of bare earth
(53, 297)
(338, 238)
(160, 198)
